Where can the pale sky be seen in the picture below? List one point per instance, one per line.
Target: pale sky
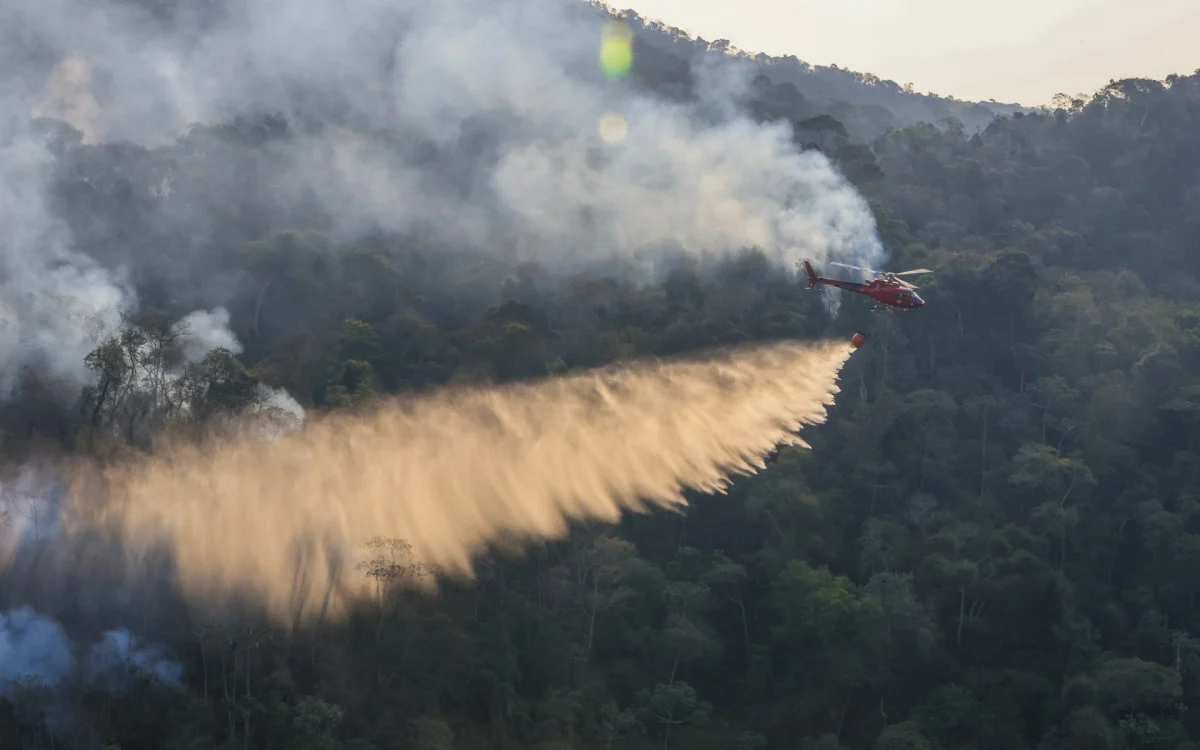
(1022, 51)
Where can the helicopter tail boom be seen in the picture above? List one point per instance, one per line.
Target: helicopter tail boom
(813, 279)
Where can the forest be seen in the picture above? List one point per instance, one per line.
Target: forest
(866, 104)
(987, 546)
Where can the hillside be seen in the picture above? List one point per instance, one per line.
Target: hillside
(861, 100)
(992, 543)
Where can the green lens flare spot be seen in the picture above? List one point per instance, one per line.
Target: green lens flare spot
(616, 50)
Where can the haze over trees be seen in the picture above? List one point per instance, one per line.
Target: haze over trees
(863, 102)
(994, 542)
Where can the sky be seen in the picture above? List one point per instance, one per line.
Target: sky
(1017, 51)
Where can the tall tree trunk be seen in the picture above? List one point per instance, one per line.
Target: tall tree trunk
(983, 462)
(962, 614)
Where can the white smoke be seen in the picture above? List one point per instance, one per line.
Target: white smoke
(831, 297)
(698, 176)
(555, 179)
(33, 646)
(55, 304)
(203, 331)
(277, 398)
(120, 654)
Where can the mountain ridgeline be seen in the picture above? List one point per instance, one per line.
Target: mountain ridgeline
(864, 103)
(992, 541)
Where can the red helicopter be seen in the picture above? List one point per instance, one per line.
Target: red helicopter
(888, 289)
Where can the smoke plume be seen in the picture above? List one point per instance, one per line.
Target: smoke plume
(35, 648)
(55, 303)
(489, 125)
(282, 522)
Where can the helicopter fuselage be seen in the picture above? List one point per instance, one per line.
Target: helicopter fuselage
(885, 291)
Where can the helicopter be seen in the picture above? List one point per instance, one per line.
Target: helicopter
(889, 291)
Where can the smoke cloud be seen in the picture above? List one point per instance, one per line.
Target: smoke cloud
(204, 331)
(33, 646)
(35, 649)
(282, 523)
(119, 654)
(489, 124)
(55, 303)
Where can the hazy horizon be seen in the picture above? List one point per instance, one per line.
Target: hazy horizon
(1029, 51)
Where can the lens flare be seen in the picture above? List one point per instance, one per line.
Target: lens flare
(616, 50)
(613, 128)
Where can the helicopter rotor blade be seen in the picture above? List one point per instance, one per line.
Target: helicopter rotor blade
(915, 270)
(856, 268)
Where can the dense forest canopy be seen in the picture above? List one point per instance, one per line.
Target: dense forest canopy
(993, 542)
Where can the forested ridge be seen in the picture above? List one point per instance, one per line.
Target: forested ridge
(864, 102)
(994, 542)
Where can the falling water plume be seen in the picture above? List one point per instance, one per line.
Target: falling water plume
(454, 471)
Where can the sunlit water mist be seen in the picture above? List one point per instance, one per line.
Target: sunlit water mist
(283, 522)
